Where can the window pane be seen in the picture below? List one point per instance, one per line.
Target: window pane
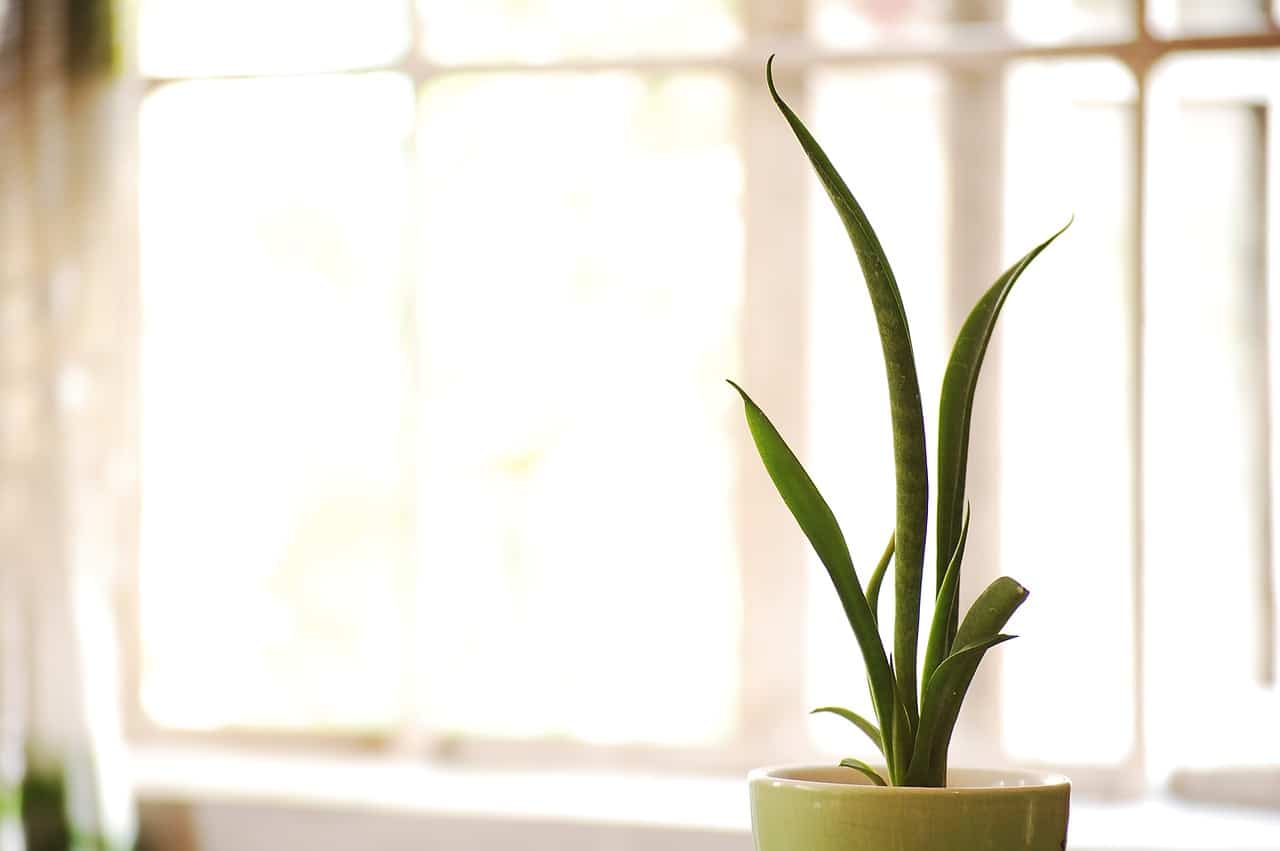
(195, 37)
(854, 21)
(1209, 396)
(579, 301)
(272, 434)
(899, 175)
(850, 22)
(549, 30)
(1065, 434)
(1056, 19)
(1209, 16)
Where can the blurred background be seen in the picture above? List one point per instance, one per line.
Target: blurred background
(367, 474)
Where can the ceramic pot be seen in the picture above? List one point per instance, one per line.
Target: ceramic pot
(826, 808)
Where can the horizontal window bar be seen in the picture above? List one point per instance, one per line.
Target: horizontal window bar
(966, 46)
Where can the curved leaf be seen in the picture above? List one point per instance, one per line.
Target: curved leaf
(991, 611)
(877, 577)
(945, 691)
(912, 481)
(859, 765)
(872, 731)
(819, 525)
(940, 707)
(955, 409)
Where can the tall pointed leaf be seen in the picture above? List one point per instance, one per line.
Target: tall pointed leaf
(955, 413)
(819, 525)
(904, 405)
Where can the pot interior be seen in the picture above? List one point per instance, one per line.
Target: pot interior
(957, 778)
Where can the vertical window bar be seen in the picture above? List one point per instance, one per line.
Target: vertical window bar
(1269, 594)
(1140, 67)
(1255, 167)
(410, 736)
(772, 552)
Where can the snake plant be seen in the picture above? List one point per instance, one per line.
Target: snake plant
(914, 718)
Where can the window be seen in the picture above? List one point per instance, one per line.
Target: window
(444, 338)
(437, 300)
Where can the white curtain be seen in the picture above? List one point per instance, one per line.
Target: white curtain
(67, 426)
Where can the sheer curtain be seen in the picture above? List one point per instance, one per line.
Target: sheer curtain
(67, 435)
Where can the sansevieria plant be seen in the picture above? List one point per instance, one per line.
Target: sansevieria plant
(915, 717)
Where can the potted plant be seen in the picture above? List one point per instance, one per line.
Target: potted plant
(912, 801)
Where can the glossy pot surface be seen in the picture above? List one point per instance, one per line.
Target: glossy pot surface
(826, 808)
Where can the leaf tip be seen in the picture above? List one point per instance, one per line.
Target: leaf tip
(1020, 591)
(768, 77)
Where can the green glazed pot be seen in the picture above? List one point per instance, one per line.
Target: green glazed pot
(825, 808)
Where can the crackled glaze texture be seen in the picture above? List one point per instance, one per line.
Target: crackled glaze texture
(812, 808)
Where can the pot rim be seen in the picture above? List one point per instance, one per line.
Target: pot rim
(981, 780)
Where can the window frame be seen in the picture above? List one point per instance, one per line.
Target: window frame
(775, 206)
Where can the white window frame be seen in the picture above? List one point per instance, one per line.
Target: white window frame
(776, 198)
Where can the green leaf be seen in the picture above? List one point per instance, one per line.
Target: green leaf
(991, 611)
(901, 742)
(877, 577)
(955, 413)
(940, 708)
(857, 720)
(912, 480)
(819, 525)
(945, 691)
(944, 606)
(859, 765)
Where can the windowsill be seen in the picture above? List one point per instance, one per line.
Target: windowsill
(380, 786)
(386, 784)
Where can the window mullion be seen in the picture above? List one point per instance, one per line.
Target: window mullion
(411, 734)
(1137, 352)
(772, 553)
(1271, 263)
